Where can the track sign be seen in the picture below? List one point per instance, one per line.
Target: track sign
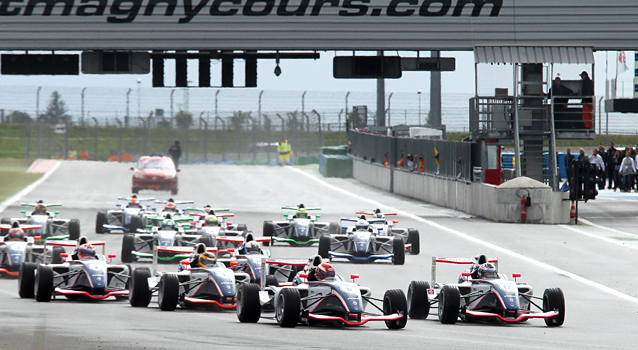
(430, 64)
(40, 64)
(366, 67)
(116, 62)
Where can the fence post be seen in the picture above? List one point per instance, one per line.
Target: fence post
(96, 136)
(267, 127)
(319, 129)
(202, 120)
(254, 138)
(283, 125)
(307, 133)
(119, 143)
(223, 135)
(339, 128)
(28, 123)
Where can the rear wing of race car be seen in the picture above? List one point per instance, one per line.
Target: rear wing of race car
(176, 202)
(68, 243)
(283, 269)
(372, 214)
(36, 204)
(459, 261)
(371, 221)
(182, 252)
(139, 199)
(23, 227)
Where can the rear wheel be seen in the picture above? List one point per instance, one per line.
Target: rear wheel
(398, 249)
(26, 280)
(168, 292)
(553, 299)
(324, 246)
(248, 307)
(44, 283)
(271, 281)
(174, 192)
(418, 301)
(334, 228)
(5, 221)
(449, 304)
(139, 295)
(287, 307)
(415, 241)
(242, 227)
(207, 240)
(135, 223)
(268, 231)
(100, 220)
(56, 258)
(74, 229)
(128, 245)
(394, 302)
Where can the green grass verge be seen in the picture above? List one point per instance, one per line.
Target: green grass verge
(13, 176)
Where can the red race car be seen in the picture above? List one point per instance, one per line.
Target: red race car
(155, 172)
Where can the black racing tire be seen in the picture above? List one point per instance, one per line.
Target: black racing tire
(271, 281)
(74, 229)
(334, 228)
(56, 258)
(553, 299)
(418, 301)
(168, 292)
(5, 221)
(242, 227)
(268, 231)
(139, 295)
(398, 249)
(207, 241)
(415, 240)
(128, 245)
(287, 307)
(324, 246)
(449, 304)
(44, 283)
(26, 280)
(394, 302)
(248, 306)
(135, 223)
(100, 220)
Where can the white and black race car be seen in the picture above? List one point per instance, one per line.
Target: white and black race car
(14, 253)
(484, 296)
(52, 227)
(129, 218)
(389, 227)
(298, 229)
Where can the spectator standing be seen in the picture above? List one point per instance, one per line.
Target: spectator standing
(595, 158)
(627, 171)
(581, 155)
(611, 171)
(618, 157)
(603, 154)
(587, 91)
(569, 160)
(175, 152)
(410, 162)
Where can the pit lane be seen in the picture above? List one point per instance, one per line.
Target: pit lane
(594, 318)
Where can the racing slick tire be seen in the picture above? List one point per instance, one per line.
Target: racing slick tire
(449, 304)
(415, 241)
(5, 221)
(135, 223)
(128, 245)
(248, 307)
(44, 283)
(394, 302)
(553, 299)
(324, 246)
(168, 292)
(100, 220)
(74, 229)
(398, 249)
(271, 281)
(268, 231)
(242, 227)
(287, 307)
(207, 241)
(418, 301)
(56, 258)
(139, 295)
(26, 280)
(334, 228)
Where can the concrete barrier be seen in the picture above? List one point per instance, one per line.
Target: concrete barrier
(483, 200)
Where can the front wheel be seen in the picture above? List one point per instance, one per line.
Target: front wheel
(135, 223)
(74, 229)
(139, 294)
(56, 258)
(268, 231)
(248, 307)
(398, 249)
(449, 304)
(100, 220)
(415, 241)
(168, 292)
(44, 283)
(394, 303)
(26, 280)
(418, 300)
(128, 245)
(324, 247)
(287, 307)
(554, 300)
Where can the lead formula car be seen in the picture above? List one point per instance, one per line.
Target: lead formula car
(298, 229)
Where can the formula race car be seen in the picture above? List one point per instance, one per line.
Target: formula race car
(52, 226)
(300, 228)
(155, 172)
(220, 233)
(170, 233)
(192, 286)
(170, 211)
(361, 243)
(483, 294)
(313, 299)
(410, 236)
(127, 219)
(14, 253)
(89, 277)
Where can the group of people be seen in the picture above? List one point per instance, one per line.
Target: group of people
(618, 168)
(561, 94)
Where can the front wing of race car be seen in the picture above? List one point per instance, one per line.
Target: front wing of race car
(360, 258)
(520, 317)
(363, 321)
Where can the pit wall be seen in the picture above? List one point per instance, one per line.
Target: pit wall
(479, 199)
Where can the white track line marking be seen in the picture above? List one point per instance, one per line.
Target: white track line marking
(478, 241)
(587, 222)
(28, 189)
(608, 240)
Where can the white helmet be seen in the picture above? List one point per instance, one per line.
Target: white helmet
(253, 247)
(362, 225)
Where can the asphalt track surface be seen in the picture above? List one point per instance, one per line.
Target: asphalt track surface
(594, 266)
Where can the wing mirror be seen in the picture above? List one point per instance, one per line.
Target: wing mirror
(185, 262)
(354, 277)
(132, 168)
(56, 212)
(111, 256)
(516, 275)
(303, 275)
(466, 274)
(64, 255)
(233, 263)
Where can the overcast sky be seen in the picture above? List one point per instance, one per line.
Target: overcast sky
(300, 75)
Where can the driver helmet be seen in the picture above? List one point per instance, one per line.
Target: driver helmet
(487, 270)
(134, 200)
(171, 205)
(86, 251)
(378, 214)
(325, 270)
(362, 225)
(253, 247)
(168, 224)
(206, 259)
(15, 234)
(211, 220)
